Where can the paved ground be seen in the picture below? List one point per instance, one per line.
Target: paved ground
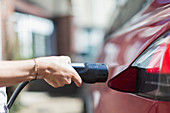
(42, 103)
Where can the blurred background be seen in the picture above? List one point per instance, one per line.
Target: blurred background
(77, 28)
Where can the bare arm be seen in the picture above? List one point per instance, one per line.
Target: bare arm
(54, 70)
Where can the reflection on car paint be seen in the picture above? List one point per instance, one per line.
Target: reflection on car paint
(96, 97)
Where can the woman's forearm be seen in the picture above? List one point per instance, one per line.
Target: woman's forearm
(13, 72)
(54, 70)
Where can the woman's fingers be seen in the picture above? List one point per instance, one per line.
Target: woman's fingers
(76, 78)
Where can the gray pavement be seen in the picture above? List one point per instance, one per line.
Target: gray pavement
(40, 102)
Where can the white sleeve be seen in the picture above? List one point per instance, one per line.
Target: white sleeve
(3, 100)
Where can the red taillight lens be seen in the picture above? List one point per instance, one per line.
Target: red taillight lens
(160, 62)
(166, 60)
(152, 74)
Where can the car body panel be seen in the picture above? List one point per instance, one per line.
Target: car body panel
(121, 50)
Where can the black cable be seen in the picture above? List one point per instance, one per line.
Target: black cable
(15, 94)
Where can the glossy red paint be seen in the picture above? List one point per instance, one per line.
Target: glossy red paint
(121, 50)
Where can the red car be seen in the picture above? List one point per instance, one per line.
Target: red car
(138, 57)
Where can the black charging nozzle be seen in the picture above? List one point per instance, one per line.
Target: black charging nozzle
(89, 72)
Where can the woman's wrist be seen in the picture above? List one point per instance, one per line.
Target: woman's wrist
(40, 67)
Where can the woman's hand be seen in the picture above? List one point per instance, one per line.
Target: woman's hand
(57, 71)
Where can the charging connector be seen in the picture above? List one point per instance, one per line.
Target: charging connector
(89, 72)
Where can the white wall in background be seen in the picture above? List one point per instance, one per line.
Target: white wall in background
(93, 13)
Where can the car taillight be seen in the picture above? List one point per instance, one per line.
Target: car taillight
(151, 75)
(153, 70)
